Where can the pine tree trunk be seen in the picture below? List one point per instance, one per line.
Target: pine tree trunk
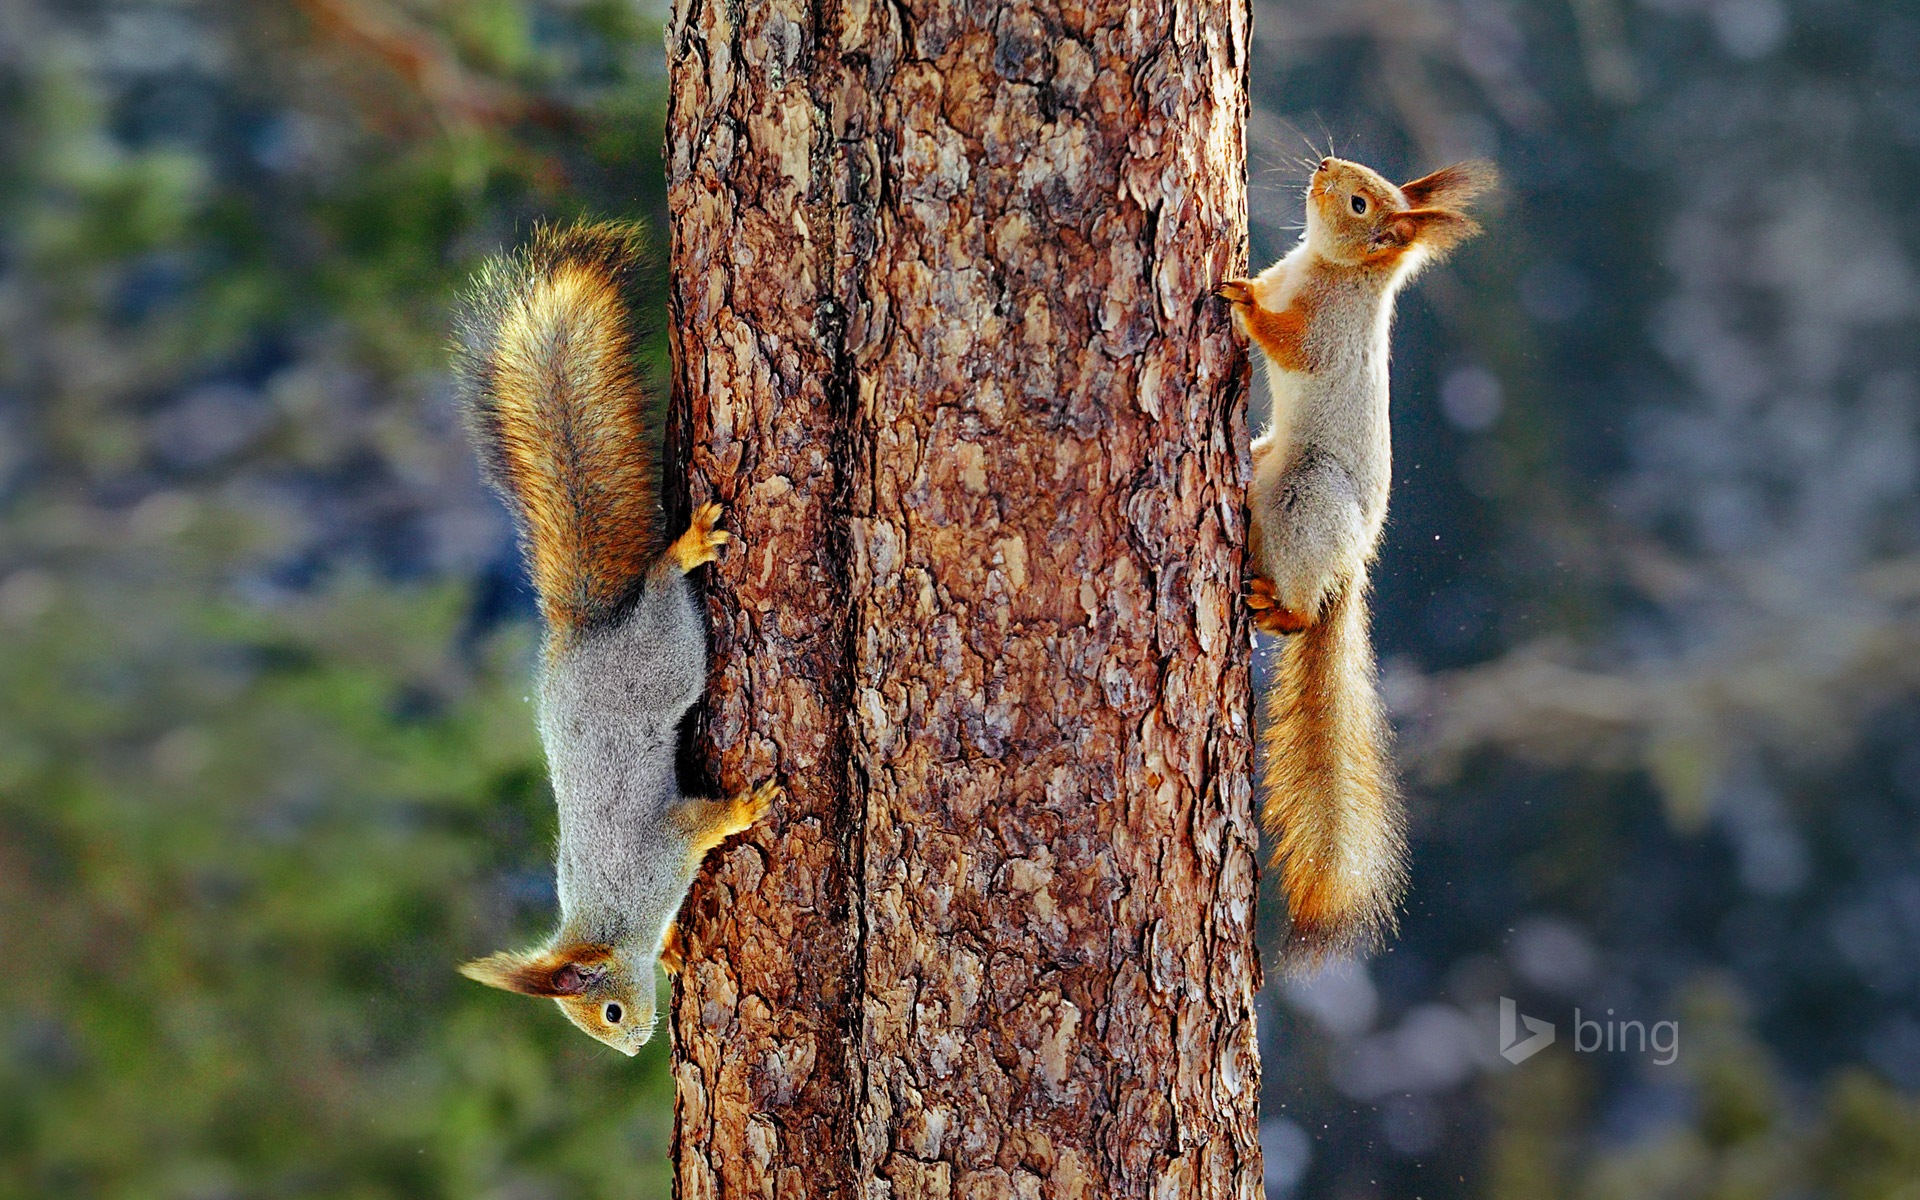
(945, 347)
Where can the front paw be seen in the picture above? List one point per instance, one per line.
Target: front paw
(746, 809)
(1237, 292)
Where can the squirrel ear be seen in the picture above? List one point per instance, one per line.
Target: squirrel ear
(1451, 187)
(1395, 231)
(564, 972)
(569, 980)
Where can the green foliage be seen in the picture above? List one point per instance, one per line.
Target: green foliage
(1869, 1146)
(244, 849)
(1748, 1139)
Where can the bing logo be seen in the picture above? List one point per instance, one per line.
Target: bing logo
(1589, 1036)
(1513, 1047)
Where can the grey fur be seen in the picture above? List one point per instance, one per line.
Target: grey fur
(611, 705)
(610, 714)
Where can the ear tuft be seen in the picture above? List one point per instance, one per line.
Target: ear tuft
(1435, 230)
(1452, 187)
(508, 971)
(567, 971)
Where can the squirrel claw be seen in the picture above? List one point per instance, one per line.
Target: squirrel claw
(1260, 595)
(1279, 621)
(702, 541)
(1235, 291)
(711, 822)
(1269, 615)
(748, 809)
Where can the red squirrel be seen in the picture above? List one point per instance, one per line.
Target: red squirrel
(553, 395)
(1322, 317)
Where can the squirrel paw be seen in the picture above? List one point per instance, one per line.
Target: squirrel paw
(1235, 291)
(673, 952)
(1269, 615)
(702, 541)
(711, 822)
(745, 810)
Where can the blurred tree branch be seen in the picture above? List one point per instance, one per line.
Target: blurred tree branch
(429, 66)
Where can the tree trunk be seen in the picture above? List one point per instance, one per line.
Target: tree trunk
(945, 347)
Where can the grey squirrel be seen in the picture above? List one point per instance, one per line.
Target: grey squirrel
(1322, 317)
(546, 361)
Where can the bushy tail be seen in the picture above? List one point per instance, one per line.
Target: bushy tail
(1330, 799)
(555, 400)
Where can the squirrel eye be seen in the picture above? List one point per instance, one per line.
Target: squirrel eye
(1359, 203)
(613, 1014)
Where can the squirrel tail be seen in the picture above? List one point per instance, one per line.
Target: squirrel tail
(546, 355)
(1331, 800)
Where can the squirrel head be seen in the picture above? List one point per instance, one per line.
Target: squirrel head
(1355, 216)
(597, 987)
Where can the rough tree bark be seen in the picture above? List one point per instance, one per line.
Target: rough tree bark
(944, 345)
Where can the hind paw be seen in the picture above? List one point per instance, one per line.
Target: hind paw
(1269, 615)
(673, 951)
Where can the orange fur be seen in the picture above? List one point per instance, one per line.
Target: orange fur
(1451, 186)
(673, 950)
(1282, 335)
(701, 542)
(1331, 803)
(563, 971)
(1435, 230)
(561, 417)
(711, 822)
(1269, 615)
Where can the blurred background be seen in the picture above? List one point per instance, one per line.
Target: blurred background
(1650, 605)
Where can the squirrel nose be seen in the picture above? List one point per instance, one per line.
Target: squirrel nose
(1325, 163)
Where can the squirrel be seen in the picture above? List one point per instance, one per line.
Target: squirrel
(545, 359)
(1322, 317)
